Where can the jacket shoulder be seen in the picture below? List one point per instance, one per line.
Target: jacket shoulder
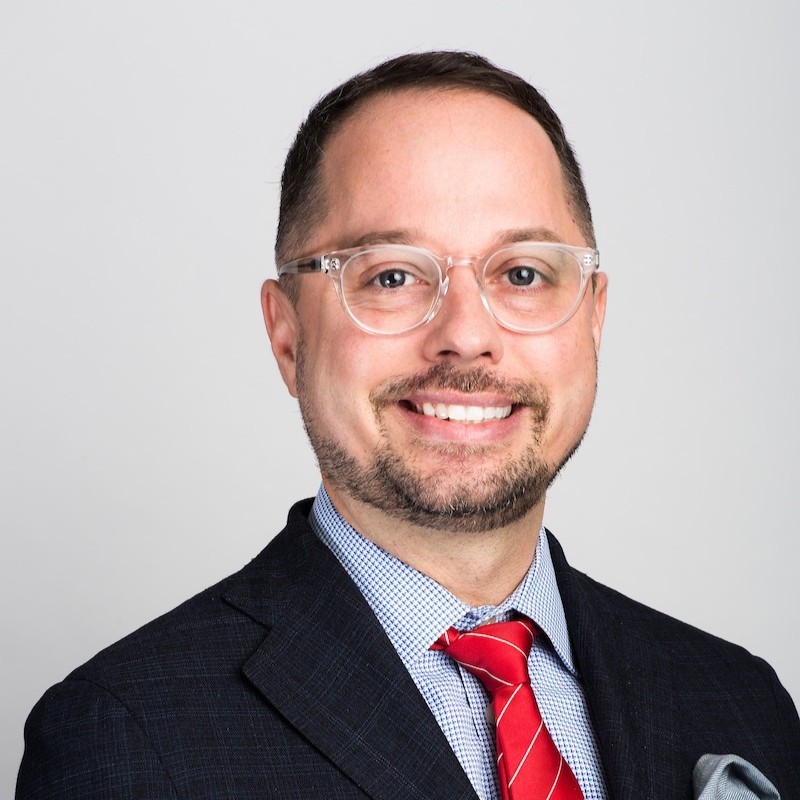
(649, 675)
(210, 625)
(619, 617)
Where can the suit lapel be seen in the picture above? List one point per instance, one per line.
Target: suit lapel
(327, 666)
(625, 684)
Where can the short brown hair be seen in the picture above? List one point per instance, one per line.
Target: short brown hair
(302, 204)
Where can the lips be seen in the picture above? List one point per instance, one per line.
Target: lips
(478, 398)
(462, 413)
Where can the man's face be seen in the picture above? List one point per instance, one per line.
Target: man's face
(462, 173)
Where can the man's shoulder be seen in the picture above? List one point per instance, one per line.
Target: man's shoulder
(641, 629)
(177, 708)
(649, 675)
(228, 617)
(651, 627)
(173, 637)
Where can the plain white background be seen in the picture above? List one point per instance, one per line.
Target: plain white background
(149, 447)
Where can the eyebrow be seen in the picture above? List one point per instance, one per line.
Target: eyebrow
(410, 237)
(384, 237)
(530, 235)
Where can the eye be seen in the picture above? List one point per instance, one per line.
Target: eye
(388, 273)
(394, 278)
(523, 275)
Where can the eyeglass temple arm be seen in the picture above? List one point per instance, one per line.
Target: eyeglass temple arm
(303, 265)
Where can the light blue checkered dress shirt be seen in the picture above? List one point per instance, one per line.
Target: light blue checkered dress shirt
(414, 611)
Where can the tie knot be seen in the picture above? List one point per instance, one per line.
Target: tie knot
(497, 654)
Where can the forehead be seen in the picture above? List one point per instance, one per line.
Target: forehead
(441, 161)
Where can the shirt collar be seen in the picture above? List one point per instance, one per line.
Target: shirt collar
(415, 610)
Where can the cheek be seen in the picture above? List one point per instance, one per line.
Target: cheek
(324, 383)
(563, 361)
(340, 369)
(566, 367)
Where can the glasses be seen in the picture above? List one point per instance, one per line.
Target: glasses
(529, 287)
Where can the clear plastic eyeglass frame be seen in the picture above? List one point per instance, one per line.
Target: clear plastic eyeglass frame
(335, 262)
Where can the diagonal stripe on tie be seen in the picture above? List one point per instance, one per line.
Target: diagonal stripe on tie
(529, 766)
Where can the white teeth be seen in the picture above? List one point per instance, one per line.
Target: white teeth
(475, 414)
(458, 413)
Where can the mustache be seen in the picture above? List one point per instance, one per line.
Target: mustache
(447, 376)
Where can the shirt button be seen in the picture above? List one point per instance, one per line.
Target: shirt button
(490, 714)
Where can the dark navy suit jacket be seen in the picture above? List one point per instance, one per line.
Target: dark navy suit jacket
(280, 683)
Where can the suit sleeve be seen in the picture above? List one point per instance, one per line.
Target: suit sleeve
(82, 742)
(789, 725)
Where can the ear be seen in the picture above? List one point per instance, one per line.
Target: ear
(282, 324)
(599, 310)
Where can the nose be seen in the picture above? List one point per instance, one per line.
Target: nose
(463, 331)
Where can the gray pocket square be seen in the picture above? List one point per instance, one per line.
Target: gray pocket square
(730, 778)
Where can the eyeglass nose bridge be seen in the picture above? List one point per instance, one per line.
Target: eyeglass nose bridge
(446, 263)
(461, 261)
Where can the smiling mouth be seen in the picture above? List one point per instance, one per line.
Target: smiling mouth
(460, 413)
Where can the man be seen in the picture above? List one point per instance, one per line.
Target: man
(438, 317)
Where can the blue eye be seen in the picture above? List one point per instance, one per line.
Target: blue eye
(394, 278)
(522, 276)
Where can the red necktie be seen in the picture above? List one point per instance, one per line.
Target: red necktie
(529, 766)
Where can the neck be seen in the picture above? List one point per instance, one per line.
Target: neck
(480, 567)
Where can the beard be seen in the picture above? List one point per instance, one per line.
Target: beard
(452, 497)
